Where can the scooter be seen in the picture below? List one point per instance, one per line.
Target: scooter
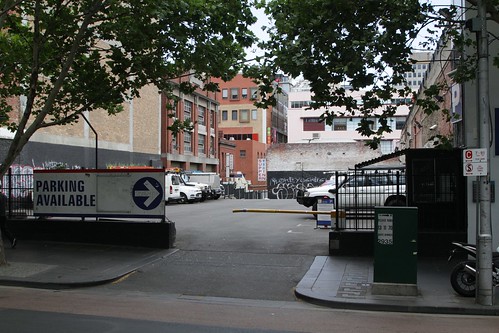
(463, 275)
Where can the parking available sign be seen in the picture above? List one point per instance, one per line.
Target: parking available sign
(475, 162)
(134, 193)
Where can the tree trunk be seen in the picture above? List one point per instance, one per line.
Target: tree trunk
(3, 261)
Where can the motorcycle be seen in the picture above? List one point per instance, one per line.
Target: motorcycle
(463, 275)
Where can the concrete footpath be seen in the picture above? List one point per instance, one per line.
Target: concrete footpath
(337, 282)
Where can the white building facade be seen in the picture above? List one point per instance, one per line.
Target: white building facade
(305, 126)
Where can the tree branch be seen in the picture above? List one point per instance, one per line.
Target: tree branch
(9, 5)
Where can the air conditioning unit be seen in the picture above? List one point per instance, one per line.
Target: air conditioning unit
(316, 136)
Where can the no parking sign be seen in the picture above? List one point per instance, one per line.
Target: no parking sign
(475, 162)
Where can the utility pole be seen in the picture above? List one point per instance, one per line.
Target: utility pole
(484, 295)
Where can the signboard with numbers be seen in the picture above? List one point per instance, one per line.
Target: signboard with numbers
(385, 229)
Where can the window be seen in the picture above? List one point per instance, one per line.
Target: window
(225, 115)
(254, 93)
(234, 93)
(201, 140)
(225, 93)
(174, 143)
(201, 113)
(386, 147)
(254, 114)
(212, 145)
(299, 104)
(340, 124)
(242, 153)
(187, 109)
(187, 142)
(399, 123)
(244, 116)
(241, 136)
(244, 93)
(234, 114)
(212, 118)
(313, 124)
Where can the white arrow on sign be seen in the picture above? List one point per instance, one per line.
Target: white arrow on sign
(152, 193)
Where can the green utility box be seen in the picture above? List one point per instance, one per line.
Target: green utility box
(395, 251)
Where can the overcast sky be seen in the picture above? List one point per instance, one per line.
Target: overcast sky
(264, 21)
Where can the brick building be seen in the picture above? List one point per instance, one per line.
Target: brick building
(196, 150)
(136, 136)
(251, 129)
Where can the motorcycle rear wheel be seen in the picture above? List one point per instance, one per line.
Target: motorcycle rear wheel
(462, 281)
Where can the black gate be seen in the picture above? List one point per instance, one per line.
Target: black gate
(436, 186)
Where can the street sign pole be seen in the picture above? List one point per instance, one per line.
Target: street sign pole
(484, 295)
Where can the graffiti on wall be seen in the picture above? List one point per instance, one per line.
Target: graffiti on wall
(21, 181)
(286, 184)
(54, 165)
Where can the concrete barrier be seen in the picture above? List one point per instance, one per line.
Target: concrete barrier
(126, 233)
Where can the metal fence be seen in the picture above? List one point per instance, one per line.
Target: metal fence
(231, 191)
(360, 191)
(18, 189)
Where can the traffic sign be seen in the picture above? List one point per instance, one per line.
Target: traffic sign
(475, 155)
(475, 162)
(147, 193)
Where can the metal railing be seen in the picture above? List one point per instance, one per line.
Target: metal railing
(18, 190)
(366, 190)
(360, 191)
(231, 191)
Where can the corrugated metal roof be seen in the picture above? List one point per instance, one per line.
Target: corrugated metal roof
(381, 158)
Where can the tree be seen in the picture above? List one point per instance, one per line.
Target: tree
(366, 44)
(67, 57)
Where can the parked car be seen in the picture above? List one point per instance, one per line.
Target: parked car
(359, 190)
(172, 188)
(308, 198)
(189, 193)
(209, 180)
(203, 187)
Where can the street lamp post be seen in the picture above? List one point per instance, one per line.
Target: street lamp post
(96, 141)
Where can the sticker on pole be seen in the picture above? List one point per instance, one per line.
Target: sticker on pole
(147, 193)
(475, 162)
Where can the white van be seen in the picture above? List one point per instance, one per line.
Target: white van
(172, 188)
